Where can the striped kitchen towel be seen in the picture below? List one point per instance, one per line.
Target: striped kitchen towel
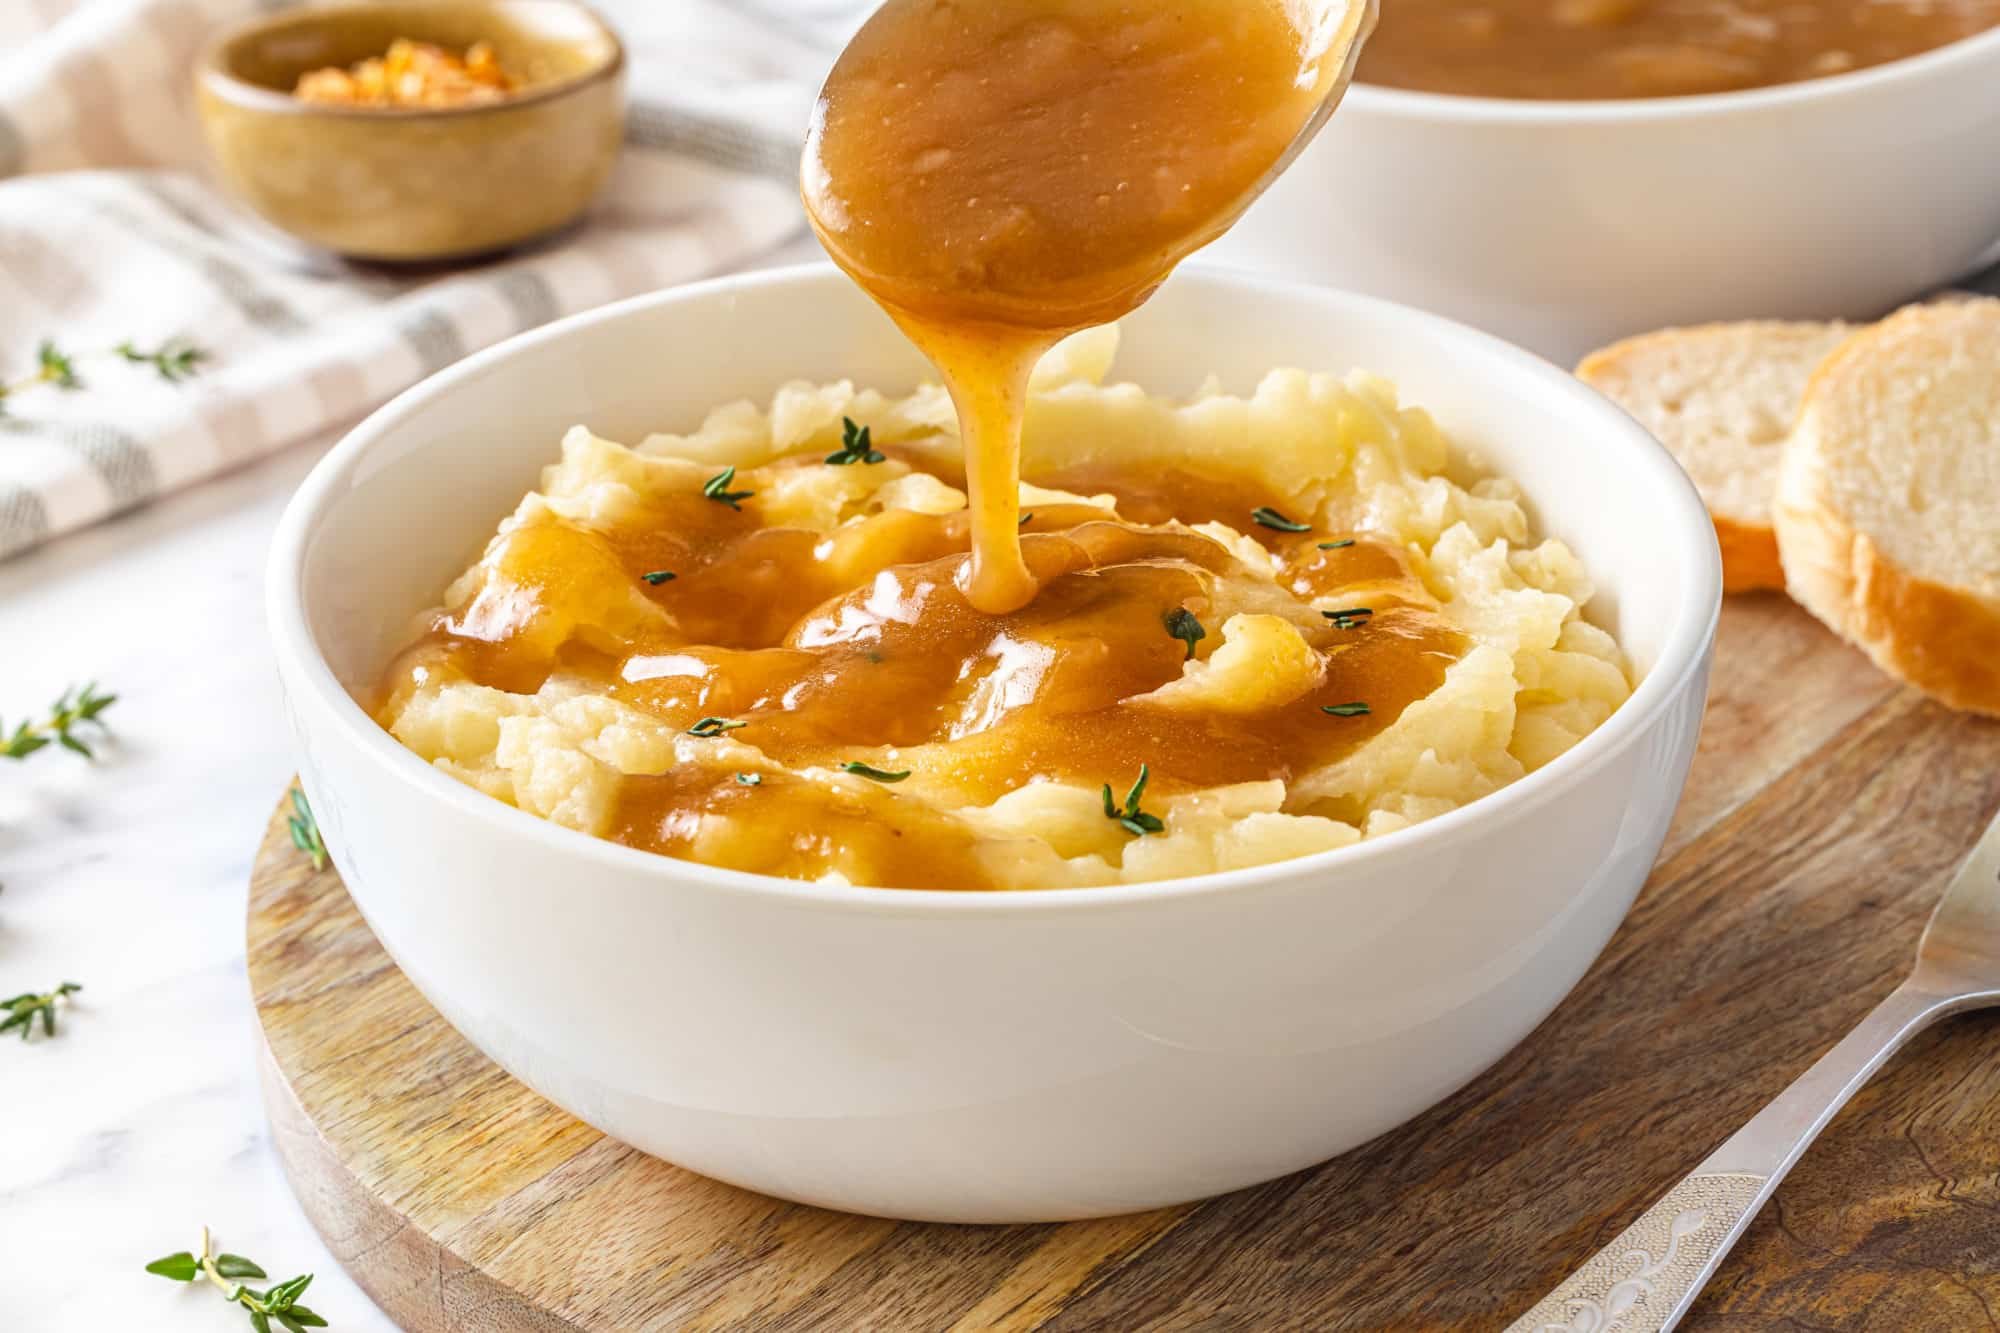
(113, 236)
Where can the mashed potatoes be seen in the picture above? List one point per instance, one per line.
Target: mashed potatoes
(1269, 626)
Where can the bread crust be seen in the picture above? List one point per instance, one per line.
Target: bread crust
(1941, 639)
(1749, 542)
(1750, 559)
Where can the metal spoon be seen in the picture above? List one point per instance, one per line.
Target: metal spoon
(1644, 1281)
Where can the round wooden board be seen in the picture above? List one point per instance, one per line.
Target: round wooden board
(1825, 808)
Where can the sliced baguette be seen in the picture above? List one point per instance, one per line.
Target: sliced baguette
(1888, 500)
(1721, 397)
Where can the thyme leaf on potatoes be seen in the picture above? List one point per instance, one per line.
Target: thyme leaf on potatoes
(855, 446)
(860, 769)
(1352, 617)
(1271, 518)
(1182, 624)
(717, 488)
(1130, 817)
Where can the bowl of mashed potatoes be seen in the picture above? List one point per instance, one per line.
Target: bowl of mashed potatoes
(648, 727)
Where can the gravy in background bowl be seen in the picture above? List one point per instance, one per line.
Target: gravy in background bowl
(1602, 49)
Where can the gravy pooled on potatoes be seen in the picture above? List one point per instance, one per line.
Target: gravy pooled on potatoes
(1593, 49)
(751, 647)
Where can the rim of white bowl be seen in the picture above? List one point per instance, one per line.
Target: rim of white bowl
(1413, 104)
(1681, 655)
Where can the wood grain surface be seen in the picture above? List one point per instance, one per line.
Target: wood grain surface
(1826, 806)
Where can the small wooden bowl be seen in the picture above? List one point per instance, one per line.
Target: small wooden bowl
(422, 183)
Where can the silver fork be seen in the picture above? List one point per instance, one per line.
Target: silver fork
(1644, 1281)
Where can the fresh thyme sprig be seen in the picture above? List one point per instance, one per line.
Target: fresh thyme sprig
(21, 1010)
(1350, 617)
(1271, 518)
(71, 710)
(1336, 545)
(305, 830)
(53, 366)
(1345, 710)
(1182, 625)
(174, 360)
(855, 446)
(1131, 818)
(710, 727)
(715, 488)
(225, 1272)
(750, 779)
(659, 576)
(860, 769)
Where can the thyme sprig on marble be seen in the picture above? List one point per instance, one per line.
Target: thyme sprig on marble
(305, 830)
(225, 1272)
(1130, 817)
(75, 708)
(855, 446)
(174, 360)
(22, 1010)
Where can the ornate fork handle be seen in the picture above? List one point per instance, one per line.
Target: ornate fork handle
(1644, 1281)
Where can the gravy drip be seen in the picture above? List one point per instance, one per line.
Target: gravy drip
(830, 646)
(999, 175)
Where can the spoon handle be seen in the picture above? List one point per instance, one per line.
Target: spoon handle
(1645, 1280)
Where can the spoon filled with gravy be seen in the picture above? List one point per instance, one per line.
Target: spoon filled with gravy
(999, 174)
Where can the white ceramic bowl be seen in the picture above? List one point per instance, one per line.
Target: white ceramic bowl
(1563, 225)
(965, 1056)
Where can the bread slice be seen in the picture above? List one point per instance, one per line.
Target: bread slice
(1888, 501)
(1721, 397)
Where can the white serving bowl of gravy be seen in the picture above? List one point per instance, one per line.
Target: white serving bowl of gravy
(982, 1057)
(1565, 224)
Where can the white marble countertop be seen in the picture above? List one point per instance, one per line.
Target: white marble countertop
(141, 1121)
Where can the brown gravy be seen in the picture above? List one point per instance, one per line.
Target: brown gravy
(1591, 49)
(999, 175)
(827, 647)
